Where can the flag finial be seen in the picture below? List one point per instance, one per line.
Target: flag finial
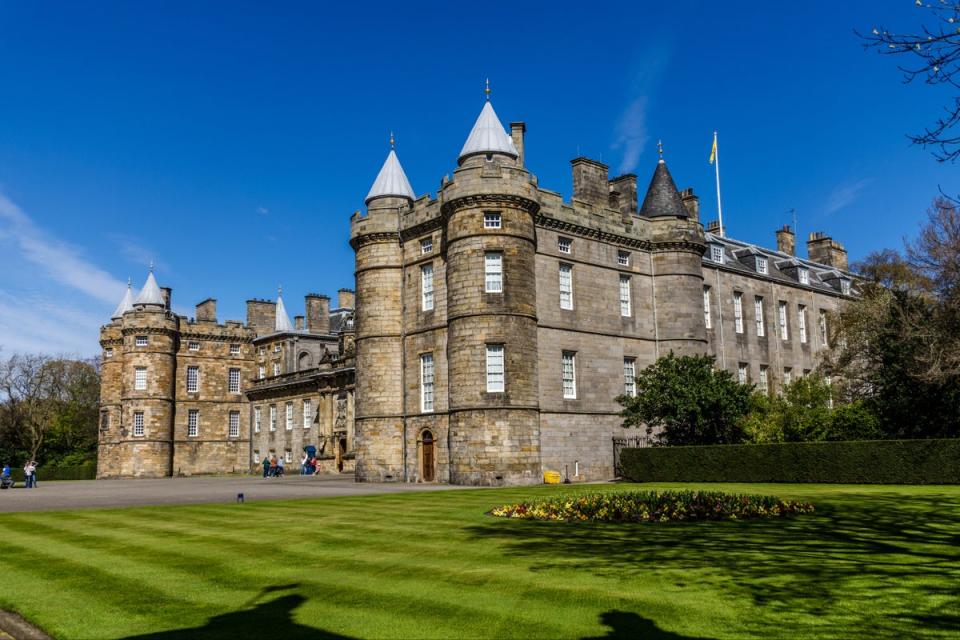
(391, 139)
(487, 89)
(660, 149)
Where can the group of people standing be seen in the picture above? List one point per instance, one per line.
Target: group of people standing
(29, 475)
(272, 467)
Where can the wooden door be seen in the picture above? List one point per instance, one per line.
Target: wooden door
(427, 457)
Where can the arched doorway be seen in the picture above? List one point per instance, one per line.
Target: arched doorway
(341, 452)
(427, 456)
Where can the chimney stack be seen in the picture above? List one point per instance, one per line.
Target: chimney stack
(787, 241)
(207, 310)
(262, 316)
(346, 299)
(298, 323)
(691, 202)
(318, 313)
(825, 250)
(713, 227)
(626, 187)
(517, 131)
(167, 294)
(591, 182)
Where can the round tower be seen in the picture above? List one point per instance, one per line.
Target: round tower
(677, 246)
(378, 326)
(111, 389)
(488, 210)
(145, 439)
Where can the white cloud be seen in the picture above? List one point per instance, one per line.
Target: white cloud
(37, 324)
(844, 195)
(632, 134)
(137, 253)
(263, 211)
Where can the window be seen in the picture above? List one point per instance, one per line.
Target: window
(566, 286)
(742, 373)
(288, 456)
(495, 371)
(261, 372)
(623, 258)
(193, 379)
(140, 379)
(758, 311)
(138, 430)
(822, 325)
(493, 269)
(426, 246)
(234, 425)
(276, 368)
(193, 346)
(787, 375)
(276, 348)
(262, 350)
(761, 265)
(273, 417)
(568, 368)
(104, 420)
(141, 341)
(193, 423)
(802, 322)
(426, 382)
(256, 457)
(289, 416)
(716, 253)
(782, 319)
(233, 381)
(491, 220)
(630, 376)
(803, 274)
(845, 287)
(707, 318)
(426, 287)
(108, 352)
(307, 413)
(625, 305)
(764, 386)
(563, 245)
(738, 311)
(234, 349)
(257, 419)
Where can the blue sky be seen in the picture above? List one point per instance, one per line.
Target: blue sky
(230, 142)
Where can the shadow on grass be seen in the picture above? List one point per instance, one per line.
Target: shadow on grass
(626, 625)
(861, 566)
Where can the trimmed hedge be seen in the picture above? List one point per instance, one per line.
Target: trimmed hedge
(854, 462)
(85, 471)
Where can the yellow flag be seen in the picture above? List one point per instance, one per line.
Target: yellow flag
(713, 151)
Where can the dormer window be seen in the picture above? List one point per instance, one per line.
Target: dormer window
(563, 245)
(426, 246)
(761, 265)
(845, 287)
(491, 220)
(803, 274)
(623, 258)
(716, 253)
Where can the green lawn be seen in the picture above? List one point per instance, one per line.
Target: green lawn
(873, 562)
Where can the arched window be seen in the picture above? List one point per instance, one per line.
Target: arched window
(303, 361)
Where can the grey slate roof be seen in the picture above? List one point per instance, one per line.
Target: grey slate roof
(662, 197)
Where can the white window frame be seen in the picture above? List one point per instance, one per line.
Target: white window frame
(564, 245)
(493, 271)
(233, 380)
(140, 379)
(193, 346)
(427, 373)
(623, 258)
(758, 312)
(288, 416)
(139, 430)
(193, 379)
(782, 315)
(845, 287)
(193, 423)
(707, 315)
(763, 383)
(141, 341)
(787, 375)
(426, 287)
(426, 246)
(802, 322)
(233, 424)
(630, 376)
(762, 266)
(803, 275)
(234, 349)
(492, 220)
(257, 419)
(276, 369)
(568, 374)
(496, 368)
(716, 253)
(256, 456)
(743, 375)
(276, 348)
(738, 311)
(822, 328)
(566, 285)
(307, 413)
(626, 299)
(108, 352)
(288, 456)
(273, 417)
(261, 350)
(261, 372)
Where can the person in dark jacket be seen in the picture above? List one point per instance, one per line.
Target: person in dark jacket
(266, 466)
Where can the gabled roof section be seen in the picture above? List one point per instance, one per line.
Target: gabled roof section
(488, 136)
(391, 181)
(150, 294)
(282, 323)
(662, 197)
(125, 305)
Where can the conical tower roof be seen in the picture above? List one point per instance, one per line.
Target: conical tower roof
(391, 181)
(125, 305)
(662, 197)
(488, 136)
(282, 323)
(150, 294)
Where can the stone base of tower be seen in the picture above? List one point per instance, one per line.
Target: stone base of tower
(379, 446)
(197, 458)
(134, 459)
(495, 447)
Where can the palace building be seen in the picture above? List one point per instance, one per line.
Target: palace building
(492, 329)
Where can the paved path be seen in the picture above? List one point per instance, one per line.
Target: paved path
(85, 494)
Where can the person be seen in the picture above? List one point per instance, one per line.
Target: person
(30, 474)
(273, 466)
(280, 467)
(313, 465)
(5, 480)
(304, 461)
(266, 466)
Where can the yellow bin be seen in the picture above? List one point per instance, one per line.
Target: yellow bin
(551, 477)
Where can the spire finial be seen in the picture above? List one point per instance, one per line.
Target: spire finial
(151, 266)
(279, 290)
(129, 282)
(391, 139)
(660, 149)
(487, 89)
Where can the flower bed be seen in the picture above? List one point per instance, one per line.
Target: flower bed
(653, 506)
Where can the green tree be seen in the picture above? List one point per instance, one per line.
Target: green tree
(687, 400)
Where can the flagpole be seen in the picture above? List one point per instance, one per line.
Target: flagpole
(716, 163)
